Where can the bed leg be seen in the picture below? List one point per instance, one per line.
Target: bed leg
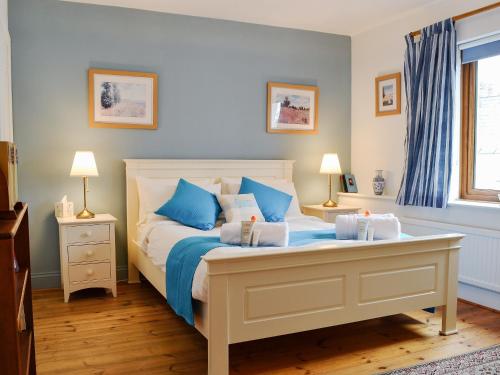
(449, 311)
(218, 358)
(449, 320)
(133, 274)
(218, 344)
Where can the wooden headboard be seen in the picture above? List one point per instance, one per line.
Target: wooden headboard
(176, 168)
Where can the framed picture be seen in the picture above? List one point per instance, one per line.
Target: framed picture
(349, 183)
(292, 108)
(388, 95)
(122, 99)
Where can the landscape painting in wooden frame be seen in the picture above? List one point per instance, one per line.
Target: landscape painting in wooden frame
(292, 109)
(123, 99)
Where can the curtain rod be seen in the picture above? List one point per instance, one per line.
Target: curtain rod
(466, 15)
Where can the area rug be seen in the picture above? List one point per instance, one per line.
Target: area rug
(481, 362)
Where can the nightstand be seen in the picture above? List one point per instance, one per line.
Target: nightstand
(87, 250)
(328, 214)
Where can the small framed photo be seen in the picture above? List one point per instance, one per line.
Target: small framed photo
(292, 108)
(388, 95)
(349, 183)
(123, 99)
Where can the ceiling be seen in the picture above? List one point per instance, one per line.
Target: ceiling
(347, 17)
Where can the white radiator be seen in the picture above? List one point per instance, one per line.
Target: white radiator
(479, 256)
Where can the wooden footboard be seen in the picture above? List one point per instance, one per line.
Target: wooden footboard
(266, 294)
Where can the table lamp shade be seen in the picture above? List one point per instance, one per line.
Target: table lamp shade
(330, 164)
(84, 165)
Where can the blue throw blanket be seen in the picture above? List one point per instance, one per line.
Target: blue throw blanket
(186, 254)
(182, 262)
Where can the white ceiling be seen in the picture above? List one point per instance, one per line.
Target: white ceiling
(347, 17)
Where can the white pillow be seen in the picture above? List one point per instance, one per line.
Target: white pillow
(231, 185)
(154, 192)
(239, 207)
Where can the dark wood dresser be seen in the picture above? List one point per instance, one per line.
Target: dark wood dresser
(17, 340)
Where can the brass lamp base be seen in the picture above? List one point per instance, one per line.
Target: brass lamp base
(330, 203)
(85, 214)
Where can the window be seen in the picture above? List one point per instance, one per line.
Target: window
(480, 159)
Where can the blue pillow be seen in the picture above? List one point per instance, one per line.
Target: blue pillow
(191, 206)
(272, 203)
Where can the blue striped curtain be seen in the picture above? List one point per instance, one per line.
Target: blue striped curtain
(430, 89)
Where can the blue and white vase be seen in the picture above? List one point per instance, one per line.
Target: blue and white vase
(378, 182)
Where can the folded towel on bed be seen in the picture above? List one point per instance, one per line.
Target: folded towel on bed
(271, 234)
(386, 226)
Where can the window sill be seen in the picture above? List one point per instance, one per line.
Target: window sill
(462, 203)
(474, 204)
(367, 196)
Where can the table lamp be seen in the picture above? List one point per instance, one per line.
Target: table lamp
(330, 165)
(84, 166)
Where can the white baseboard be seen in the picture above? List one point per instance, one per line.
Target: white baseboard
(480, 296)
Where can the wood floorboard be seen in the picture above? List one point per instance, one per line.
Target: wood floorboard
(137, 333)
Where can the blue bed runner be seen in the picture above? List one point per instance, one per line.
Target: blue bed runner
(186, 254)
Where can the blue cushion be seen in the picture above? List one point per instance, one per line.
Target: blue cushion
(272, 203)
(192, 206)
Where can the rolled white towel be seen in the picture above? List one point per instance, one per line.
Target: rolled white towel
(271, 234)
(346, 227)
(386, 226)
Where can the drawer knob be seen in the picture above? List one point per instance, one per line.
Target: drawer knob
(90, 253)
(90, 272)
(87, 234)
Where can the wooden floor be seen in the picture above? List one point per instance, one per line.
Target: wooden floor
(137, 333)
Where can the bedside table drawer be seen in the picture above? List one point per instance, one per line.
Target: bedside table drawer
(89, 253)
(87, 233)
(328, 214)
(89, 272)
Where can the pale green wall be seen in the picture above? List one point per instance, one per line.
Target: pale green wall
(212, 102)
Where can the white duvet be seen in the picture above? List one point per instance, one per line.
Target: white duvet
(157, 238)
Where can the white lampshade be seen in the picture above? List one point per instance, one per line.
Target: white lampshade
(330, 164)
(84, 164)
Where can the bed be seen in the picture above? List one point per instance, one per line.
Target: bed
(256, 294)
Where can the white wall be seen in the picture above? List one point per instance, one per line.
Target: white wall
(378, 142)
(3, 13)
(6, 131)
(381, 51)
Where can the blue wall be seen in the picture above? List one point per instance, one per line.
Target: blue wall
(212, 102)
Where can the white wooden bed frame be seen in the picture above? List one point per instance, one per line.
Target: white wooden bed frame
(265, 294)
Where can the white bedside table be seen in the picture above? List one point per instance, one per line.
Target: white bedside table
(87, 250)
(328, 214)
